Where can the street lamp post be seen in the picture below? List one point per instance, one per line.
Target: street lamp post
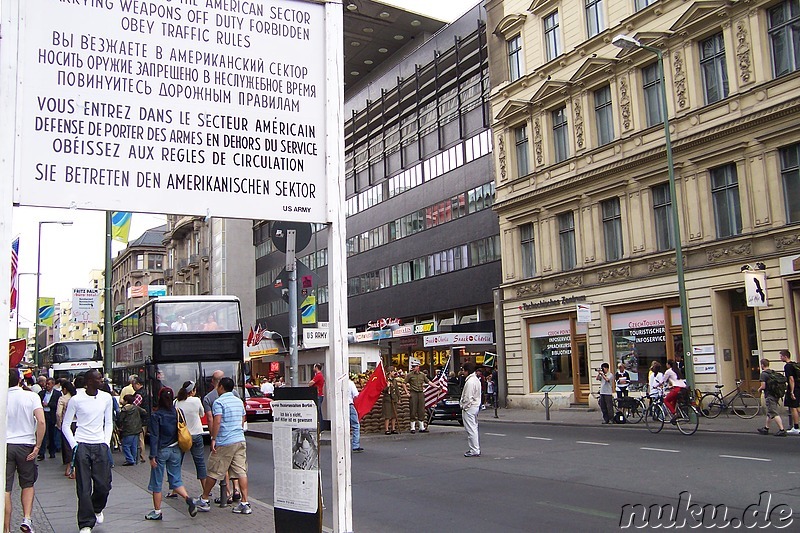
(624, 41)
(36, 354)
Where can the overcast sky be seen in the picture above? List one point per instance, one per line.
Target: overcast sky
(69, 253)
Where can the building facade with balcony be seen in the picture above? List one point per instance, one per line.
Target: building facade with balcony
(422, 240)
(211, 256)
(582, 187)
(138, 266)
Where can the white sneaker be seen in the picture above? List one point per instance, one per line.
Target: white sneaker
(793, 431)
(98, 517)
(86, 530)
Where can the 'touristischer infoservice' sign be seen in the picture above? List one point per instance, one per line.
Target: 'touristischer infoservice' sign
(158, 105)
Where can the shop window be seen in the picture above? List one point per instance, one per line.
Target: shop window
(551, 353)
(639, 338)
(790, 170)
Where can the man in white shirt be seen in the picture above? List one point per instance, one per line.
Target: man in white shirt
(470, 405)
(92, 410)
(355, 426)
(267, 387)
(24, 434)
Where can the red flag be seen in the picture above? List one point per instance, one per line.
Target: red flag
(14, 275)
(250, 337)
(16, 350)
(371, 391)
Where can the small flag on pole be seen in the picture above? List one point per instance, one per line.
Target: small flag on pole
(371, 392)
(120, 226)
(14, 273)
(437, 389)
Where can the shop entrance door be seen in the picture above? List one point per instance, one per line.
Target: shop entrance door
(580, 374)
(746, 352)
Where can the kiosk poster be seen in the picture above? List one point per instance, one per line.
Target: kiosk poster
(295, 447)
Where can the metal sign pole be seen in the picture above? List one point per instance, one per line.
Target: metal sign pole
(291, 263)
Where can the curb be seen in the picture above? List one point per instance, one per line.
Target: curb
(621, 426)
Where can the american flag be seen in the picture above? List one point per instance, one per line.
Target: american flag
(437, 389)
(14, 274)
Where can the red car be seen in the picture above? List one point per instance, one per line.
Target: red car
(257, 405)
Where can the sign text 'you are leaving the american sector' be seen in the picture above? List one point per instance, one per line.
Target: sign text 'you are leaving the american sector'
(157, 105)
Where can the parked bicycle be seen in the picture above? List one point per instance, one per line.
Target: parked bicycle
(686, 418)
(633, 408)
(741, 403)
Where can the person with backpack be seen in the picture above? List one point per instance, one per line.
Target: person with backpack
(792, 399)
(773, 385)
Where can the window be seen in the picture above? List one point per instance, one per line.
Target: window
(515, 58)
(725, 195)
(784, 37)
(790, 170)
(603, 115)
(612, 229)
(552, 44)
(560, 134)
(641, 4)
(662, 214)
(712, 65)
(651, 83)
(528, 252)
(594, 17)
(521, 141)
(155, 261)
(566, 235)
(139, 262)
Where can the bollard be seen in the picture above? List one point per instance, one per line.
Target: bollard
(547, 403)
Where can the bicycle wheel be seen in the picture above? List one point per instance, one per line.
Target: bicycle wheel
(687, 420)
(746, 405)
(654, 418)
(636, 413)
(710, 405)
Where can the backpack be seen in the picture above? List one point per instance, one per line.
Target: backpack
(619, 418)
(775, 384)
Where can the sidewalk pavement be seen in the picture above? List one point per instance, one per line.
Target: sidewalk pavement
(55, 505)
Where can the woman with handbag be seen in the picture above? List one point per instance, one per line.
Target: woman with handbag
(192, 409)
(165, 453)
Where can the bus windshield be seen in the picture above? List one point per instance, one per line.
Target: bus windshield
(197, 316)
(70, 352)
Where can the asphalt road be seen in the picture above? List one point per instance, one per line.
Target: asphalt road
(548, 478)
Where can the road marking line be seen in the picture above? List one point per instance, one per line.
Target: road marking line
(538, 438)
(747, 458)
(592, 443)
(496, 434)
(659, 450)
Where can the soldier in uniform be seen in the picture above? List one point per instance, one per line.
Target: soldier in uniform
(391, 396)
(416, 381)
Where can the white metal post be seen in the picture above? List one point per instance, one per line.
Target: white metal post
(336, 364)
(8, 98)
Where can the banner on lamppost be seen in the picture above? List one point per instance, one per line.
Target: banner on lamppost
(45, 311)
(755, 288)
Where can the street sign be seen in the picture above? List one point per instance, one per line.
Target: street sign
(86, 305)
(280, 286)
(279, 230)
(213, 108)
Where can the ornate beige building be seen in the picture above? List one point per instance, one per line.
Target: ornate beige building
(582, 186)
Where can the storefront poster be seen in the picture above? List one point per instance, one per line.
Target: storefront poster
(295, 447)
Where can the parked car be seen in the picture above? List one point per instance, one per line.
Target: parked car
(257, 404)
(447, 409)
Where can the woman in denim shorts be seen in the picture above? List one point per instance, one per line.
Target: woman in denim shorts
(165, 453)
